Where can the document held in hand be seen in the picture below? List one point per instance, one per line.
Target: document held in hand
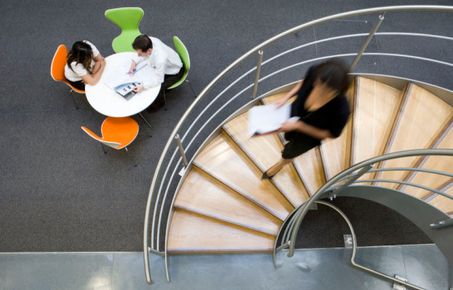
(267, 119)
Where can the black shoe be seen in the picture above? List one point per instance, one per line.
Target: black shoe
(266, 176)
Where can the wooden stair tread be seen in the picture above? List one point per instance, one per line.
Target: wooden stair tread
(422, 119)
(202, 194)
(265, 151)
(376, 106)
(442, 163)
(311, 170)
(443, 203)
(335, 152)
(192, 233)
(228, 163)
(274, 98)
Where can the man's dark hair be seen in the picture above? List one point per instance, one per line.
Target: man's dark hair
(142, 42)
(334, 74)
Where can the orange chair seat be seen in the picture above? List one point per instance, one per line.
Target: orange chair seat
(117, 133)
(120, 130)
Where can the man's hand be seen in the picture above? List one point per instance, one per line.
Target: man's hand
(132, 68)
(290, 125)
(138, 89)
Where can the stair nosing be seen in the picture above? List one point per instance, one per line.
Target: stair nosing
(224, 219)
(259, 166)
(241, 192)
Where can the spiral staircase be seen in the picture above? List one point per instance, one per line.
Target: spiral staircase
(396, 149)
(224, 206)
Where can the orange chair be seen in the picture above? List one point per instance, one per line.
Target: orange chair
(116, 132)
(57, 68)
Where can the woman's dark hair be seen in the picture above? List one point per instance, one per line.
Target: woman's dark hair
(81, 52)
(142, 42)
(334, 74)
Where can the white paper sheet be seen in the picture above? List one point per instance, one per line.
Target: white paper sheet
(267, 118)
(120, 76)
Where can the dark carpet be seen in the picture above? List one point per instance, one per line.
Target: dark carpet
(58, 191)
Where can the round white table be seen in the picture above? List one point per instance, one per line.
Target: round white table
(106, 101)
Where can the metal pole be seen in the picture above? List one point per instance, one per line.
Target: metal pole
(257, 75)
(148, 278)
(181, 150)
(367, 42)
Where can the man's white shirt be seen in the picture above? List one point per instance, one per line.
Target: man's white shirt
(162, 61)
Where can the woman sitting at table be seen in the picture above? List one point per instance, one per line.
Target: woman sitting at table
(84, 65)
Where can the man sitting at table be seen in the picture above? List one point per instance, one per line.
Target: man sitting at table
(165, 64)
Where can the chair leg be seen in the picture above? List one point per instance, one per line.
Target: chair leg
(73, 99)
(165, 99)
(144, 119)
(191, 88)
(103, 148)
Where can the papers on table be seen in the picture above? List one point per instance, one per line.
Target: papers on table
(267, 119)
(122, 82)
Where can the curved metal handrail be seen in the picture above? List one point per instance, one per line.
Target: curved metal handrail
(354, 250)
(404, 8)
(327, 186)
(407, 184)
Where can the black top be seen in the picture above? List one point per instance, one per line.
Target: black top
(332, 116)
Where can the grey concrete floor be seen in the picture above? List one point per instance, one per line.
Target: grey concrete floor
(314, 269)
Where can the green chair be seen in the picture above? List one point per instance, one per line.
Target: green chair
(185, 58)
(128, 20)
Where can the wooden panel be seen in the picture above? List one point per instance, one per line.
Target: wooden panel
(422, 120)
(265, 151)
(310, 168)
(274, 98)
(442, 163)
(376, 107)
(229, 163)
(192, 233)
(443, 203)
(202, 194)
(336, 152)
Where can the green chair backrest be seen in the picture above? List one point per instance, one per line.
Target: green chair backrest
(128, 20)
(185, 58)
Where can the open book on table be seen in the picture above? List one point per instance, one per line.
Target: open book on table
(267, 119)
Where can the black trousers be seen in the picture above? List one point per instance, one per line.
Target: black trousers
(78, 85)
(297, 145)
(169, 80)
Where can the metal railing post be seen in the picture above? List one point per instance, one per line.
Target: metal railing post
(181, 150)
(367, 41)
(349, 180)
(258, 72)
